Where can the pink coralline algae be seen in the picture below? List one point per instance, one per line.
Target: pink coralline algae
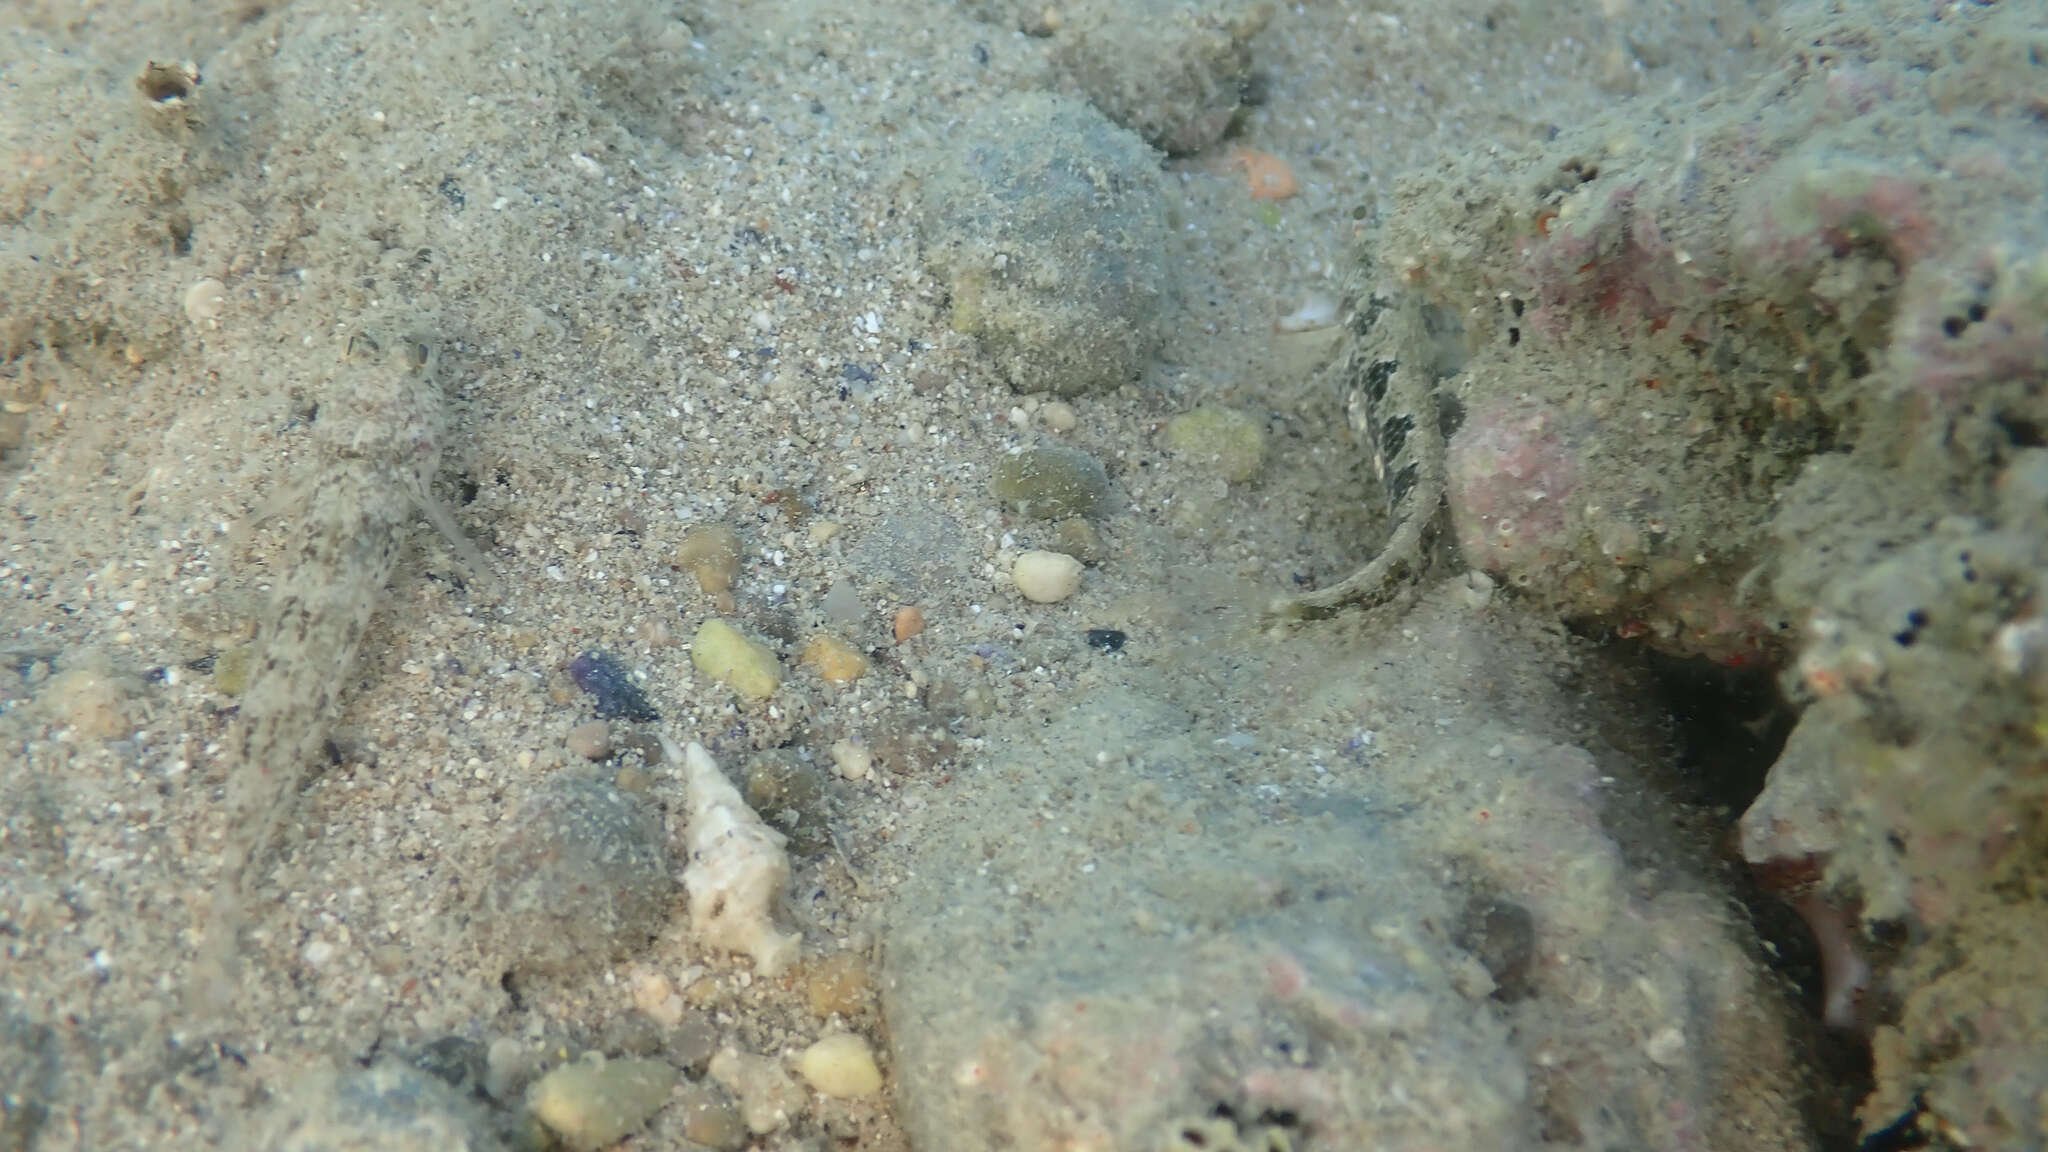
(1512, 475)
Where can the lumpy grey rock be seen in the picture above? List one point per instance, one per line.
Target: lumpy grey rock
(580, 877)
(1172, 71)
(388, 1106)
(1045, 221)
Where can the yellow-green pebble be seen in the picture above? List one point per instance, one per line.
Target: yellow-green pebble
(723, 652)
(592, 1105)
(841, 1066)
(1223, 439)
(232, 669)
(711, 553)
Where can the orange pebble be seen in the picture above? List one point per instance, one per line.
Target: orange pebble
(909, 622)
(1269, 175)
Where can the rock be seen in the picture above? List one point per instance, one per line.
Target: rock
(837, 985)
(1045, 222)
(722, 652)
(1169, 70)
(711, 553)
(1078, 538)
(835, 659)
(93, 702)
(1059, 416)
(457, 1061)
(580, 876)
(1052, 483)
(841, 1066)
(233, 668)
(909, 623)
(655, 996)
(769, 1099)
(611, 688)
(710, 1118)
(592, 741)
(595, 1104)
(790, 794)
(29, 1079)
(205, 301)
(852, 760)
(843, 603)
(1047, 577)
(508, 1067)
(1227, 442)
(388, 1106)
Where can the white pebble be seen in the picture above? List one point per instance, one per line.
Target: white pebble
(592, 741)
(1047, 577)
(841, 1066)
(851, 759)
(1059, 416)
(205, 301)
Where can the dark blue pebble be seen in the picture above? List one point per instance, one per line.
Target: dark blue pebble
(1107, 639)
(612, 687)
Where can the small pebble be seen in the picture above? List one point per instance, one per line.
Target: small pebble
(836, 985)
(790, 794)
(1047, 577)
(1228, 442)
(1107, 639)
(508, 1067)
(841, 1066)
(711, 553)
(1058, 416)
(592, 741)
(836, 660)
(205, 302)
(92, 702)
(456, 1061)
(655, 996)
(233, 668)
(769, 1099)
(1078, 538)
(611, 688)
(593, 1105)
(909, 622)
(1053, 483)
(722, 652)
(710, 1118)
(851, 759)
(843, 604)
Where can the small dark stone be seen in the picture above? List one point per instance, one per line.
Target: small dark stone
(1107, 639)
(612, 687)
(1502, 936)
(455, 1060)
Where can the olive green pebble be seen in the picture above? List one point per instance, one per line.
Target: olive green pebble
(1226, 441)
(710, 1118)
(790, 794)
(723, 652)
(1053, 483)
(580, 876)
(595, 1104)
(232, 670)
(1077, 538)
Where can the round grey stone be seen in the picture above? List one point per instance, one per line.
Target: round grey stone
(580, 877)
